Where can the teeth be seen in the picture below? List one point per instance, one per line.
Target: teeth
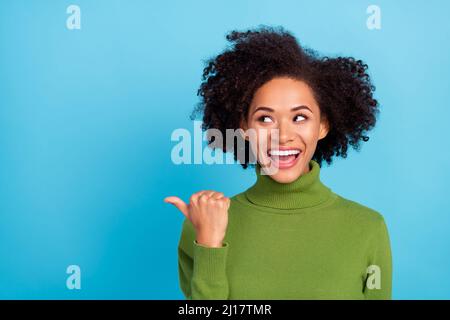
(283, 152)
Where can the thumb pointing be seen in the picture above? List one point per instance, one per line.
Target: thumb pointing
(177, 202)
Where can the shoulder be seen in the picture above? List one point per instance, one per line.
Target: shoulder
(360, 214)
(358, 209)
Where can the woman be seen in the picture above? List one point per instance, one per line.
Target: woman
(288, 236)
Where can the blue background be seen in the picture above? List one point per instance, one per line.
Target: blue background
(86, 118)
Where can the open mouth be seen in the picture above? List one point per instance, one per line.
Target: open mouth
(285, 158)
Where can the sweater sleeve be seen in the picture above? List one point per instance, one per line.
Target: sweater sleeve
(201, 269)
(378, 284)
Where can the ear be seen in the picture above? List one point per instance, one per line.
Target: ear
(324, 128)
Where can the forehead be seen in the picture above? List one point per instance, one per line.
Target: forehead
(281, 93)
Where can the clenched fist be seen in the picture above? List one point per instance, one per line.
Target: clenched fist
(208, 212)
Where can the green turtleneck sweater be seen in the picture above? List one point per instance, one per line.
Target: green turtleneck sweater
(298, 240)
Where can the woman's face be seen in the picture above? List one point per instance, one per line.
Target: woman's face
(289, 107)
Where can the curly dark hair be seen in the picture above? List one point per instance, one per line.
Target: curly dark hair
(341, 87)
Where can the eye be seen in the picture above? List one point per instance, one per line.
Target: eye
(301, 116)
(265, 119)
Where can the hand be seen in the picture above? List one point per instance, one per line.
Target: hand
(208, 212)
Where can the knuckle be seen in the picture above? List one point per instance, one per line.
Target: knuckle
(211, 200)
(222, 203)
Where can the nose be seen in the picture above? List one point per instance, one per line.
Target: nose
(285, 132)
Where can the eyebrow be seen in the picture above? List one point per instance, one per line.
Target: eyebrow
(272, 110)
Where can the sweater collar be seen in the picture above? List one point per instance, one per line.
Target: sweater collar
(305, 192)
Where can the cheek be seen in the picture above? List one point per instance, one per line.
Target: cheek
(262, 138)
(310, 136)
(307, 132)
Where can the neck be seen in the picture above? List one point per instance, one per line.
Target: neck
(304, 192)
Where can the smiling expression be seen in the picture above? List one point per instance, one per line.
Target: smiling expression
(288, 106)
